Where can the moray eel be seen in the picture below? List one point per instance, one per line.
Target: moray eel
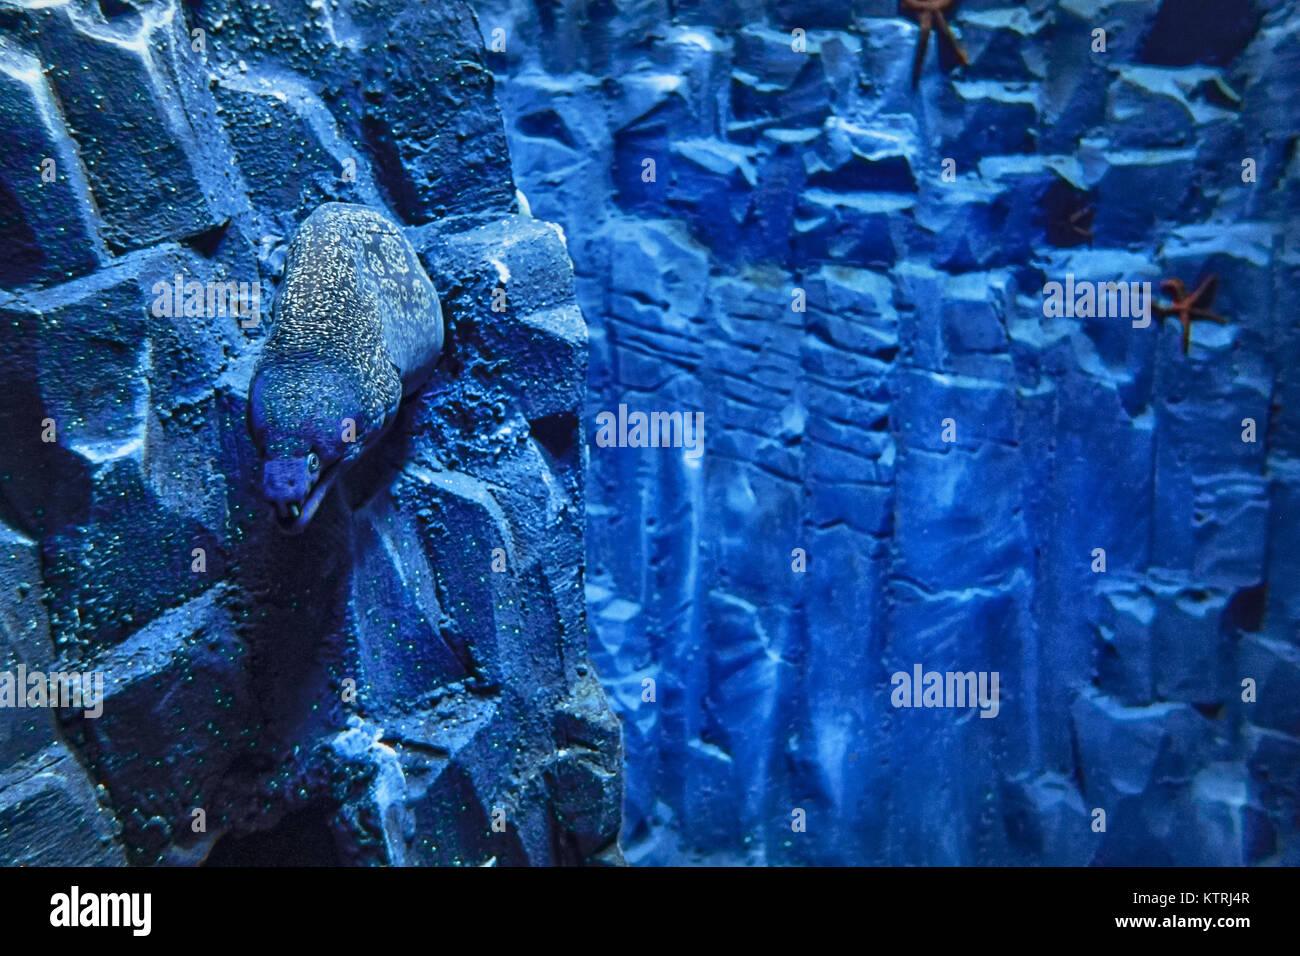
(357, 326)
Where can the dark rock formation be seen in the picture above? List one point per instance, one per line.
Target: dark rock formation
(408, 682)
(822, 169)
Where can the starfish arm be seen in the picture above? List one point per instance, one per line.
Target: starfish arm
(962, 58)
(1205, 292)
(921, 43)
(1187, 335)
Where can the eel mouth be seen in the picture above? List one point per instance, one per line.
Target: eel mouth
(292, 523)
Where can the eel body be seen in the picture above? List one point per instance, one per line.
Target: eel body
(357, 326)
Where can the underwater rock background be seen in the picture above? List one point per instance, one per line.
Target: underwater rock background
(821, 170)
(197, 153)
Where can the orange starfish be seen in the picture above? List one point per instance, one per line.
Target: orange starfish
(928, 13)
(1081, 223)
(1188, 307)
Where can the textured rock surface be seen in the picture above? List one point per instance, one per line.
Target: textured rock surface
(822, 170)
(445, 585)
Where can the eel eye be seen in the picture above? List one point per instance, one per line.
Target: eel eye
(313, 461)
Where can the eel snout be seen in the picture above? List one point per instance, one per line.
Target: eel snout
(293, 491)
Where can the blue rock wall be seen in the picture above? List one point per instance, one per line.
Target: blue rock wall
(408, 682)
(822, 170)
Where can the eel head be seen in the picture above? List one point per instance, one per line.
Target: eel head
(308, 430)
